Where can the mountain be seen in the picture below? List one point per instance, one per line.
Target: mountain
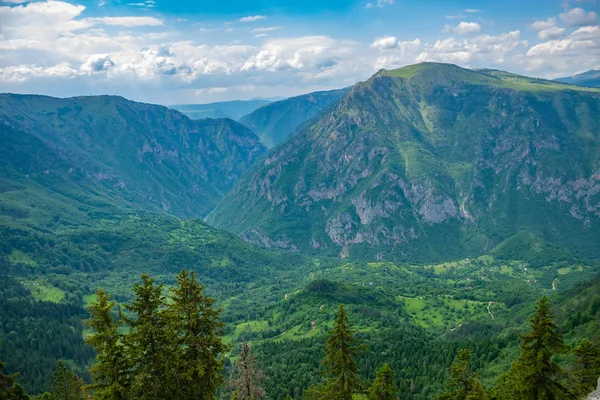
(590, 78)
(275, 122)
(430, 162)
(80, 157)
(223, 109)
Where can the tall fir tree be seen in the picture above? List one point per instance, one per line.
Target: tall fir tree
(112, 372)
(340, 365)
(9, 388)
(66, 385)
(587, 373)
(247, 377)
(537, 376)
(464, 383)
(198, 330)
(149, 344)
(384, 387)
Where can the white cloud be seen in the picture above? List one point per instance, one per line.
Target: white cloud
(380, 3)
(578, 17)
(126, 21)
(543, 25)
(456, 16)
(473, 10)
(266, 29)
(551, 33)
(252, 18)
(386, 42)
(21, 73)
(97, 63)
(463, 28)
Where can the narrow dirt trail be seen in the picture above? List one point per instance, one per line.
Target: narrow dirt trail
(488, 308)
(554, 284)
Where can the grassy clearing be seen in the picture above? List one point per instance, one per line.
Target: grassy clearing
(44, 292)
(18, 257)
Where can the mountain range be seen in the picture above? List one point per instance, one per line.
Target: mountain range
(88, 153)
(224, 109)
(430, 161)
(589, 78)
(275, 122)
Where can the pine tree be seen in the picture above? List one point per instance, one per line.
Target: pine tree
(149, 344)
(536, 375)
(341, 348)
(16, 392)
(464, 383)
(9, 388)
(247, 377)
(587, 357)
(384, 387)
(112, 371)
(66, 385)
(198, 330)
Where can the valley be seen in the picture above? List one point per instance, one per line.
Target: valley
(409, 198)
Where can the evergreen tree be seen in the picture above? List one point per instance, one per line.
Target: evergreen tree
(198, 330)
(464, 383)
(341, 349)
(6, 381)
(148, 342)
(9, 388)
(112, 371)
(536, 375)
(247, 377)
(588, 366)
(66, 385)
(16, 392)
(384, 387)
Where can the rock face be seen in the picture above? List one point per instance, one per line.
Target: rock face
(595, 395)
(138, 155)
(275, 122)
(430, 161)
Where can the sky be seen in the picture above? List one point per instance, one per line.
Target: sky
(198, 51)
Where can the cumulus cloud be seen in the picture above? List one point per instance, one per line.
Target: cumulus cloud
(386, 42)
(97, 63)
(551, 33)
(544, 24)
(252, 18)
(463, 28)
(578, 17)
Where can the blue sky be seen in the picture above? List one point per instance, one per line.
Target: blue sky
(201, 51)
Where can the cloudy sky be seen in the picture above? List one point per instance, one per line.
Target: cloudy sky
(197, 51)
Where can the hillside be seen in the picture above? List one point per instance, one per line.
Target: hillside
(79, 157)
(590, 78)
(430, 162)
(275, 122)
(223, 109)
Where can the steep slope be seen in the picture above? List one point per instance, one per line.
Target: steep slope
(95, 152)
(223, 109)
(590, 78)
(430, 161)
(275, 122)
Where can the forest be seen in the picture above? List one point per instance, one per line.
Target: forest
(172, 340)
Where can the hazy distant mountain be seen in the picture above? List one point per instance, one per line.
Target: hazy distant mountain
(274, 122)
(430, 161)
(75, 158)
(590, 78)
(224, 109)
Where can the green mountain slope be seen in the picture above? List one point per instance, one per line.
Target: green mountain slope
(430, 161)
(63, 157)
(223, 109)
(590, 78)
(275, 122)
